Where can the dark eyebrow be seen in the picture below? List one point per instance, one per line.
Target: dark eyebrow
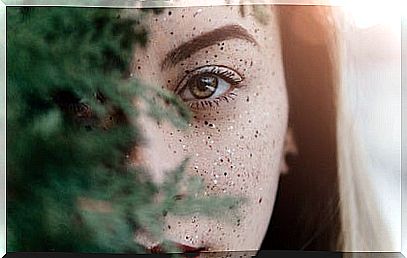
(207, 39)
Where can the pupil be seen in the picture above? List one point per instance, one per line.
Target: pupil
(204, 86)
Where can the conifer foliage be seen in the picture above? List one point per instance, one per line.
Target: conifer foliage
(69, 126)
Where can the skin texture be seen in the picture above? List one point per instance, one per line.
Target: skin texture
(237, 145)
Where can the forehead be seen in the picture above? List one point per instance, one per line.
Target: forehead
(216, 13)
(170, 28)
(176, 25)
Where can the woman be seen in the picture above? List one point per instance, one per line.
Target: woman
(228, 69)
(263, 85)
(268, 125)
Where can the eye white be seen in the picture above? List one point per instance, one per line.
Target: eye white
(221, 89)
(226, 78)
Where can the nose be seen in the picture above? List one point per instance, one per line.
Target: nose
(159, 152)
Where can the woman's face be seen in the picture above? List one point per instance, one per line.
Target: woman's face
(225, 63)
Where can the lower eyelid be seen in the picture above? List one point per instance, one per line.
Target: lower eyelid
(215, 103)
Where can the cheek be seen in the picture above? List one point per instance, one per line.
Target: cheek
(236, 149)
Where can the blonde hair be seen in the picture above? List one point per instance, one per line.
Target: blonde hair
(360, 226)
(363, 227)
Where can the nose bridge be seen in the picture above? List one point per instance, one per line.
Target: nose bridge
(155, 153)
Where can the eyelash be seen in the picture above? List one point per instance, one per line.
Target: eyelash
(226, 74)
(210, 103)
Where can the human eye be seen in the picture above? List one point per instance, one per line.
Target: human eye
(207, 86)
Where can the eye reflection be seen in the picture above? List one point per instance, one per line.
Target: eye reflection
(203, 86)
(209, 84)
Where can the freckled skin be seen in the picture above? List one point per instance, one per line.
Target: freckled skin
(235, 147)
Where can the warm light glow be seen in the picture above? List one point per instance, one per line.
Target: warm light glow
(403, 5)
(367, 13)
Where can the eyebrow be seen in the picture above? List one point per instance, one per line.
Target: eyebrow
(207, 39)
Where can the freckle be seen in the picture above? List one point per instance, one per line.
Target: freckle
(250, 121)
(273, 73)
(175, 152)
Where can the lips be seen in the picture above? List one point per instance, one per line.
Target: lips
(184, 248)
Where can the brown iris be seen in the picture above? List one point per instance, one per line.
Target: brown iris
(203, 85)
